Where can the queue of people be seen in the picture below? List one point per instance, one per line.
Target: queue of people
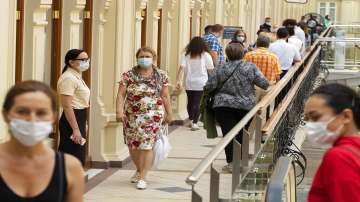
(143, 106)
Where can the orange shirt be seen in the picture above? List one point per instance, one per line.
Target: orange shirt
(267, 62)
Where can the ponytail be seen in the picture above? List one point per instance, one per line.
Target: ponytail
(71, 55)
(64, 69)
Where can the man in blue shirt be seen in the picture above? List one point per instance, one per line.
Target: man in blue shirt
(216, 50)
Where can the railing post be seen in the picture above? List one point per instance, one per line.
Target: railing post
(214, 184)
(258, 133)
(245, 149)
(195, 197)
(236, 164)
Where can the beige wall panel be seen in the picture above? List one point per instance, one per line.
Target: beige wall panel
(35, 38)
(108, 79)
(7, 54)
(98, 117)
(72, 25)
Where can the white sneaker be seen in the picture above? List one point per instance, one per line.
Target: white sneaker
(141, 184)
(195, 127)
(228, 168)
(135, 177)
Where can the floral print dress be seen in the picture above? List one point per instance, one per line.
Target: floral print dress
(144, 108)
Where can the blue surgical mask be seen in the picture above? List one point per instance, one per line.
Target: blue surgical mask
(145, 62)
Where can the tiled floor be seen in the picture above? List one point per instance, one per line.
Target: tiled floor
(167, 183)
(93, 172)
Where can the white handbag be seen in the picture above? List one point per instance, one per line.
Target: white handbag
(162, 147)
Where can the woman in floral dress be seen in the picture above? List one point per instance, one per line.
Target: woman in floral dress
(143, 105)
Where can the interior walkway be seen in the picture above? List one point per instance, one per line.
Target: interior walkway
(167, 183)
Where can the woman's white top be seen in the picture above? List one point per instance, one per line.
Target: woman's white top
(196, 70)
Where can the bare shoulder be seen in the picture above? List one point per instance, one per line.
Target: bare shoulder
(72, 163)
(74, 169)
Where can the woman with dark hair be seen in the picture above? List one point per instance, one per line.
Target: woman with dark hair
(195, 64)
(235, 96)
(74, 97)
(29, 169)
(332, 115)
(240, 37)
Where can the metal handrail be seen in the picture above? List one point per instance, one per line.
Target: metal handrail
(277, 180)
(200, 169)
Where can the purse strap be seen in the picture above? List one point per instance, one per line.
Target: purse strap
(219, 87)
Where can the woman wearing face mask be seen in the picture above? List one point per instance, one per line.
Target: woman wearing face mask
(332, 115)
(74, 95)
(29, 169)
(143, 105)
(240, 37)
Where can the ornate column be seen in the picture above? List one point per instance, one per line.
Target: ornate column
(98, 116)
(219, 11)
(154, 7)
(209, 13)
(35, 38)
(7, 53)
(72, 21)
(140, 6)
(198, 25)
(167, 45)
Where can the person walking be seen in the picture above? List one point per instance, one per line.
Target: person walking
(236, 95)
(267, 62)
(294, 40)
(287, 53)
(212, 40)
(29, 169)
(267, 25)
(143, 105)
(196, 63)
(327, 21)
(74, 97)
(240, 37)
(332, 118)
(299, 33)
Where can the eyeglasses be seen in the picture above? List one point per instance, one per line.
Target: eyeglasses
(83, 59)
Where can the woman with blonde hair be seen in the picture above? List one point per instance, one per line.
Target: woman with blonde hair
(143, 106)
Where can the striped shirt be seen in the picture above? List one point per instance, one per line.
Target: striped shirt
(267, 62)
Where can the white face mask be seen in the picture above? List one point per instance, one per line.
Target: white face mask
(84, 65)
(240, 38)
(318, 133)
(30, 133)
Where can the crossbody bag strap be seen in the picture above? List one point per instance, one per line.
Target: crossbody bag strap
(223, 83)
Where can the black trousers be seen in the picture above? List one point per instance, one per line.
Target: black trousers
(193, 104)
(227, 119)
(66, 144)
(283, 93)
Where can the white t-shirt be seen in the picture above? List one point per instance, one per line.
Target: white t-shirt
(286, 52)
(294, 40)
(301, 35)
(195, 70)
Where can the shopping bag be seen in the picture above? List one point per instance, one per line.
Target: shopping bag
(161, 148)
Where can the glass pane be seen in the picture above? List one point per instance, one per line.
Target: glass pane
(332, 5)
(323, 4)
(322, 11)
(332, 13)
